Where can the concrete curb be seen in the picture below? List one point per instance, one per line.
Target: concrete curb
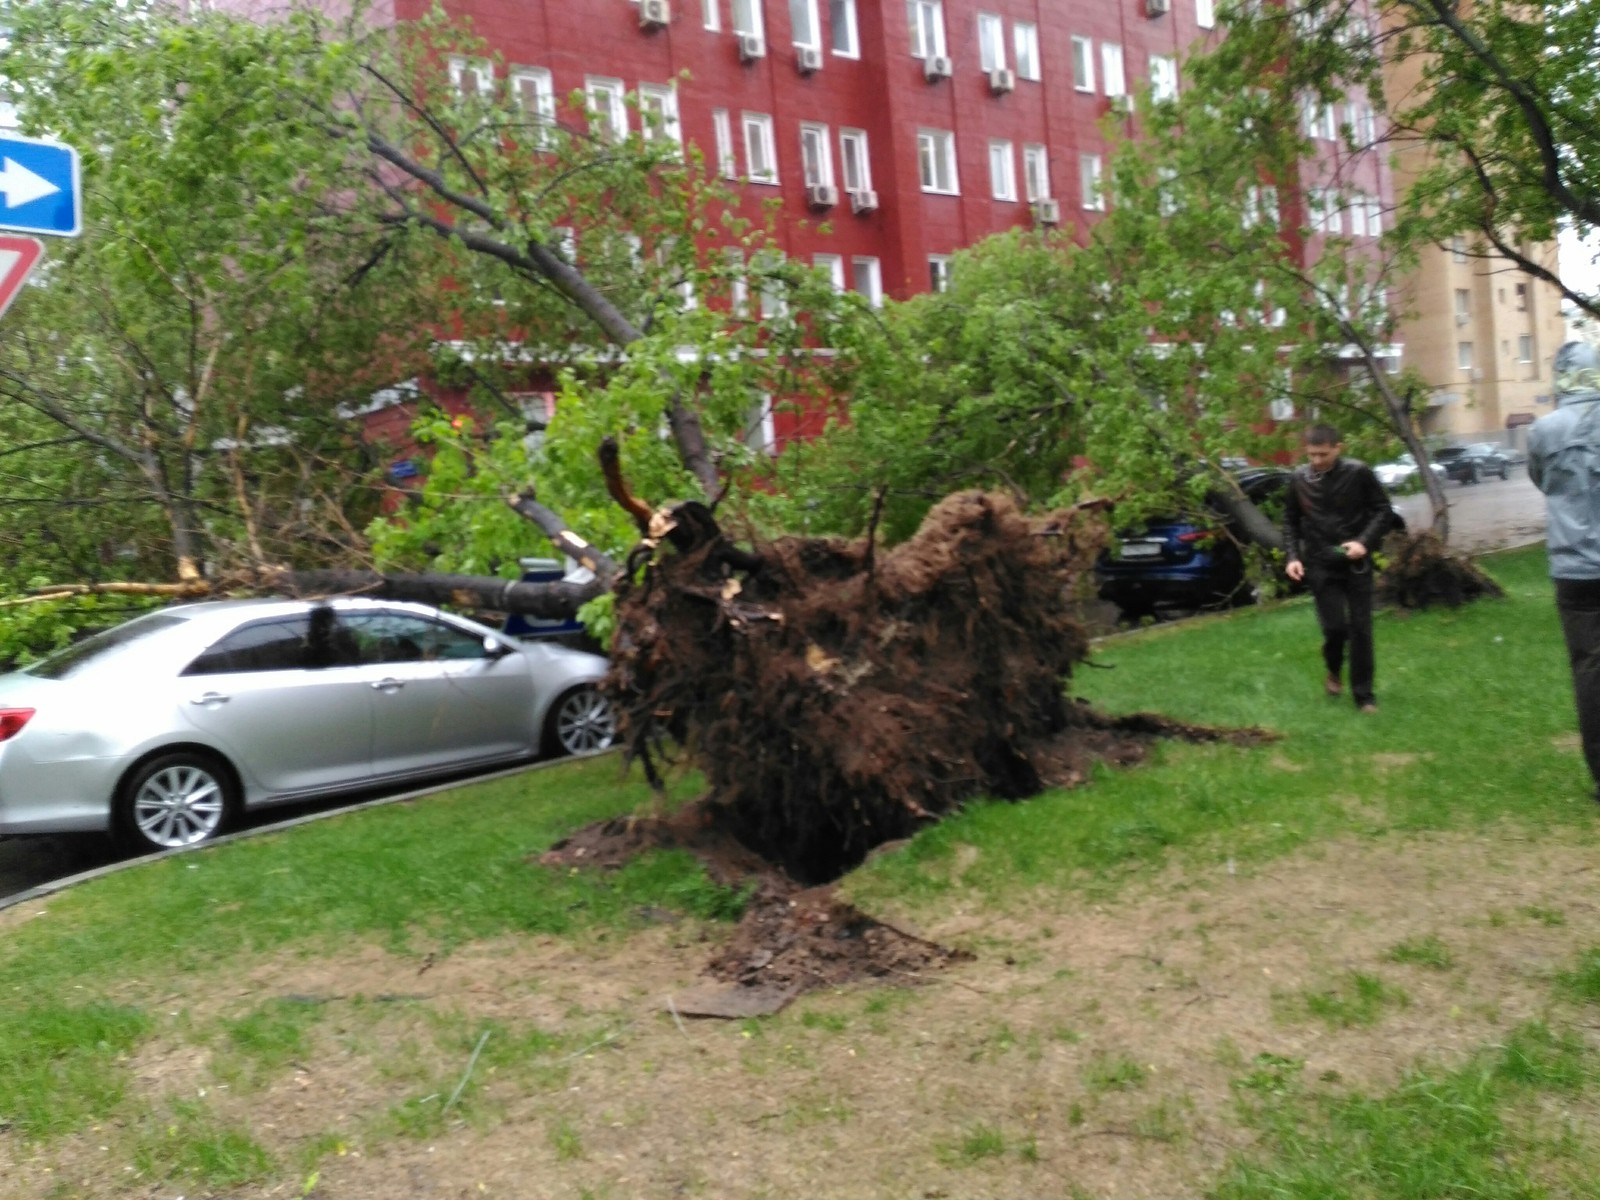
(40, 891)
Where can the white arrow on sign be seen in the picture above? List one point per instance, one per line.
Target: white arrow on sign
(23, 186)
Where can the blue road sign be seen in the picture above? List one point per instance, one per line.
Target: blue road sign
(39, 187)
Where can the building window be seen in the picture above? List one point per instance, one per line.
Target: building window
(854, 161)
(1261, 206)
(1205, 13)
(738, 282)
(1002, 171)
(1322, 211)
(722, 128)
(926, 18)
(804, 25)
(867, 280)
(1025, 37)
(1036, 173)
(939, 272)
(1358, 216)
(991, 42)
(1090, 182)
(607, 112)
(711, 14)
(1366, 121)
(1458, 249)
(1525, 348)
(760, 149)
(761, 432)
(1463, 306)
(1083, 64)
(816, 155)
(1111, 68)
(472, 78)
(832, 266)
(1464, 356)
(1522, 297)
(936, 160)
(1163, 77)
(658, 113)
(747, 17)
(842, 24)
(1374, 217)
(535, 94)
(773, 291)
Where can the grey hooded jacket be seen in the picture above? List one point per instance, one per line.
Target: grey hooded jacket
(1564, 464)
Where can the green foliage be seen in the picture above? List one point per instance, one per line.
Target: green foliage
(191, 1142)
(1583, 981)
(59, 1065)
(30, 631)
(1429, 951)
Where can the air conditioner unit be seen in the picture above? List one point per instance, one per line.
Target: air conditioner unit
(863, 200)
(1157, 8)
(1002, 80)
(821, 195)
(1047, 211)
(751, 47)
(937, 66)
(655, 14)
(808, 59)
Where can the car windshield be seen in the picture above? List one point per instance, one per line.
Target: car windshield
(63, 664)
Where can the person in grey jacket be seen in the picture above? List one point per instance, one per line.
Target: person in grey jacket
(1564, 464)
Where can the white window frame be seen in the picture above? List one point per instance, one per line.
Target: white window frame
(1358, 216)
(1082, 64)
(613, 115)
(738, 282)
(866, 268)
(1463, 305)
(751, 14)
(1525, 347)
(1112, 69)
(479, 70)
(1311, 116)
(1025, 43)
(762, 432)
(1463, 356)
(711, 15)
(1374, 216)
(1163, 78)
(807, 9)
(722, 132)
(662, 99)
(833, 266)
(939, 272)
(1002, 170)
(936, 158)
(1205, 14)
(926, 21)
(542, 93)
(842, 19)
(1035, 173)
(816, 154)
(991, 42)
(763, 150)
(858, 157)
(772, 298)
(1091, 180)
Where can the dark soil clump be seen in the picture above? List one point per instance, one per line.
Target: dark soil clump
(1423, 573)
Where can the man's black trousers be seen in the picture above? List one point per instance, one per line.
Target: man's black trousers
(1343, 594)
(1578, 602)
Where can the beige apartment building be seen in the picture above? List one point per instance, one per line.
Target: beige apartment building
(1481, 331)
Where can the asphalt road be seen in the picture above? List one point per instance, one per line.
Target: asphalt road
(1485, 516)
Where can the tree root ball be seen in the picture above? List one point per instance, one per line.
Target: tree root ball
(1422, 572)
(837, 695)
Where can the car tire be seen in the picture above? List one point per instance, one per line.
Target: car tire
(175, 800)
(581, 721)
(1475, 474)
(1505, 471)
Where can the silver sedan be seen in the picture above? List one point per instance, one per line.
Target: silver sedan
(166, 727)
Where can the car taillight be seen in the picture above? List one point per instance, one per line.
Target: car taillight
(1196, 535)
(12, 720)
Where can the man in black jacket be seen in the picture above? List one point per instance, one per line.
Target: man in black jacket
(1335, 514)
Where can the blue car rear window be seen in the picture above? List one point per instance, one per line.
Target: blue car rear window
(68, 662)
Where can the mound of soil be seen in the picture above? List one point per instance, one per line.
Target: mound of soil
(1423, 573)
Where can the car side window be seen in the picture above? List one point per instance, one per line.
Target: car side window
(277, 645)
(384, 637)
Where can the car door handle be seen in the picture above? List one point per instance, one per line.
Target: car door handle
(388, 685)
(211, 698)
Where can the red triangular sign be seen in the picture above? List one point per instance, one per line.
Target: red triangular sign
(18, 256)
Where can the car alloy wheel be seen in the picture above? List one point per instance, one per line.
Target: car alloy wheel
(583, 722)
(177, 800)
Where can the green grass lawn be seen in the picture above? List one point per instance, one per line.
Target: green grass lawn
(1475, 733)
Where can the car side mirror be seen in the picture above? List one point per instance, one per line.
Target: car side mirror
(495, 649)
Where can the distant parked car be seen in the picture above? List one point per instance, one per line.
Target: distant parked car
(1403, 474)
(1471, 464)
(164, 728)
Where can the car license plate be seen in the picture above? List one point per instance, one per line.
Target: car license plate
(1141, 549)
